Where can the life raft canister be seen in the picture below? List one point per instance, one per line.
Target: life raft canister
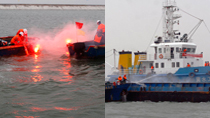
(160, 56)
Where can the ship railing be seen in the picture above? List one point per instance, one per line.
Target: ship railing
(134, 71)
(140, 71)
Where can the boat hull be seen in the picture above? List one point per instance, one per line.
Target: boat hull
(80, 50)
(10, 50)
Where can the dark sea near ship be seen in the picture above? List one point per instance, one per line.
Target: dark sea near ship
(47, 85)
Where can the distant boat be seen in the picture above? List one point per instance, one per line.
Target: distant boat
(8, 50)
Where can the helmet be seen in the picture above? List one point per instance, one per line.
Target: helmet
(98, 21)
(25, 31)
(21, 33)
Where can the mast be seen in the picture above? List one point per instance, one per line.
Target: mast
(169, 19)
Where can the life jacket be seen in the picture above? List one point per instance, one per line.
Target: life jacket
(16, 40)
(152, 67)
(100, 34)
(120, 78)
(188, 65)
(124, 77)
(205, 64)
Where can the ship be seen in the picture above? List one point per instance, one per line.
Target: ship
(7, 49)
(178, 73)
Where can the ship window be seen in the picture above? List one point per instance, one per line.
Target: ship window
(177, 49)
(162, 65)
(160, 50)
(164, 50)
(156, 65)
(173, 64)
(193, 49)
(177, 64)
(188, 49)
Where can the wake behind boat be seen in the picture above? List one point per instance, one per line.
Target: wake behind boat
(175, 72)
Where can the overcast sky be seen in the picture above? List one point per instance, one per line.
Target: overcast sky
(86, 2)
(131, 24)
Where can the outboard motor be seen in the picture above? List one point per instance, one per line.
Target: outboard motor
(79, 49)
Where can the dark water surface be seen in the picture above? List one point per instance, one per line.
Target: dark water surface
(157, 110)
(47, 85)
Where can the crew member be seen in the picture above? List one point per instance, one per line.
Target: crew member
(152, 68)
(100, 35)
(206, 64)
(124, 79)
(20, 30)
(114, 84)
(185, 52)
(120, 79)
(188, 65)
(25, 34)
(17, 39)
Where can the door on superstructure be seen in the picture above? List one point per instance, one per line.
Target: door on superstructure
(168, 52)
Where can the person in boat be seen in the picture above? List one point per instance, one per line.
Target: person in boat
(124, 79)
(25, 34)
(206, 63)
(114, 84)
(188, 65)
(99, 38)
(120, 79)
(17, 39)
(100, 35)
(152, 69)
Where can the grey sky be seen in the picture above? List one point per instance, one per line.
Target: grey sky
(132, 24)
(86, 2)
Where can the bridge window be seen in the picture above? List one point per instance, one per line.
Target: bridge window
(160, 50)
(193, 49)
(188, 49)
(177, 64)
(156, 65)
(162, 65)
(173, 64)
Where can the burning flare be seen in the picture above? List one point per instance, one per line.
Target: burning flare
(68, 41)
(36, 49)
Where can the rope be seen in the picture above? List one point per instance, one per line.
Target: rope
(190, 14)
(108, 51)
(206, 26)
(109, 56)
(154, 33)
